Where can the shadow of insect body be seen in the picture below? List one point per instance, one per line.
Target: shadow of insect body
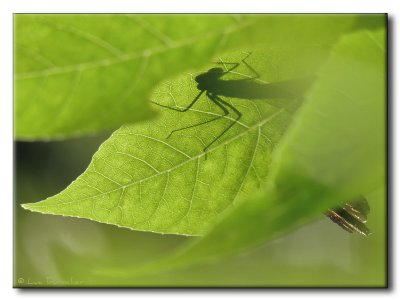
(350, 216)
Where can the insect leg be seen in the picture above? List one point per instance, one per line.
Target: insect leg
(226, 112)
(351, 216)
(186, 108)
(345, 220)
(238, 113)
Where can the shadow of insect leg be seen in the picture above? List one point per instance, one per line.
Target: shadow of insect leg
(225, 111)
(238, 113)
(186, 108)
(257, 75)
(235, 65)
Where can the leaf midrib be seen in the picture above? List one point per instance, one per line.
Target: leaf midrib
(123, 187)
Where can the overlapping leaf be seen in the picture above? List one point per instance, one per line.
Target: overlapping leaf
(80, 74)
(333, 152)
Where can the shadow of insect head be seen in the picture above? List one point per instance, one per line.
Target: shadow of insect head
(350, 216)
(213, 86)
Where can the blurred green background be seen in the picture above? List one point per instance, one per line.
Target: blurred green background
(62, 251)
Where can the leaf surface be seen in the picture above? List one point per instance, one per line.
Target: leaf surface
(81, 74)
(334, 151)
(145, 178)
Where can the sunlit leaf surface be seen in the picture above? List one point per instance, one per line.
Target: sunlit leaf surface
(155, 177)
(333, 152)
(81, 74)
(306, 143)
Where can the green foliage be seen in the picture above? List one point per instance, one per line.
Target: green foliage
(333, 152)
(145, 180)
(81, 74)
(318, 141)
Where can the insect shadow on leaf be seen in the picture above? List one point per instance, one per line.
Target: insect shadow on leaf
(351, 216)
(213, 86)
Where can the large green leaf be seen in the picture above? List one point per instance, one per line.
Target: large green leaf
(145, 180)
(333, 152)
(80, 74)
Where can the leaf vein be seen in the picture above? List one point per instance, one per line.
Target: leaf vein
(202, 154)
(121, 58)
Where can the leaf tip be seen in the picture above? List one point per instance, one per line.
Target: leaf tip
(28, 206)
